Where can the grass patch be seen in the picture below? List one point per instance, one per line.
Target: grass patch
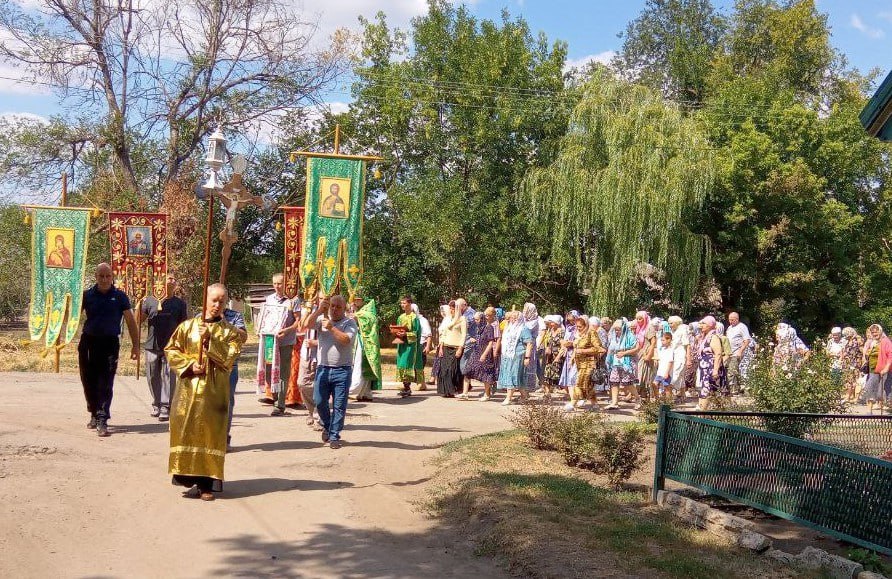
(527, 506)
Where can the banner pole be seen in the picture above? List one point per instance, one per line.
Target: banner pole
(62, 202)
(207, 265)
(139, 334)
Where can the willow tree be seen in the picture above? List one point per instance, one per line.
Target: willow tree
(631, 173)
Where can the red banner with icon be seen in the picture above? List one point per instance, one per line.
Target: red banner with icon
(294, 235)
(139, 253)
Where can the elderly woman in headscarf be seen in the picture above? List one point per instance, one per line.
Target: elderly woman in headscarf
(712, 371)
(681, 343)
(789, 350)
(599, 376)
(484, 367)
(587, 348)
(851, 361)
(531, 321)
(692, 367)
(646, 336)
(878, 357)
(517, 348)
(473, 345)
(567, 381)
(621, 350)
(553, 355)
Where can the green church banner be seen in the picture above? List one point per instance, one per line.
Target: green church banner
(59, 243)
(333, 228)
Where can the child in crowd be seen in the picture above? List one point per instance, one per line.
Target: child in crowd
(665, 359)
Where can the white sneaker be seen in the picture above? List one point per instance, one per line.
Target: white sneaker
(507, 402)
(569, 407)
(484, 398)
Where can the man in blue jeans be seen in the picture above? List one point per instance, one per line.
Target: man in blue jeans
(336, 334)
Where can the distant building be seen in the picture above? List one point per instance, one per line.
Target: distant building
(876, 118)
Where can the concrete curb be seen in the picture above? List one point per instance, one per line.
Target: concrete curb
(740, 532)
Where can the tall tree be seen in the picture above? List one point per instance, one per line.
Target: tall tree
(167, 71)
(460, 116)
(630, 172)
(670, 47)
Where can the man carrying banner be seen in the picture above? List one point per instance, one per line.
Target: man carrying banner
(284, 336)
(162, 321)
(409, 363)
(104, 305)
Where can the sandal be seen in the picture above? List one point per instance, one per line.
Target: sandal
(192, 492)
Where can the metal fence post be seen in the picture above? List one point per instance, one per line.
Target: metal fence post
(659, 480)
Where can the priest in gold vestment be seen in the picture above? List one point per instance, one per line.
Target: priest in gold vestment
(200, 407)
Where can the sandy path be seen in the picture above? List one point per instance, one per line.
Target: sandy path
(75, 505)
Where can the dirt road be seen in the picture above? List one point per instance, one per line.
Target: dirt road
(75, 505)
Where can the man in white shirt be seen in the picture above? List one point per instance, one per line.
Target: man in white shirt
(739, 336)
(284, 338)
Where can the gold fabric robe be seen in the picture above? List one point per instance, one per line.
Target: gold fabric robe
(200, 409)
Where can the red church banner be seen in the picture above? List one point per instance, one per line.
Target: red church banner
(294, 234)
(139, 253)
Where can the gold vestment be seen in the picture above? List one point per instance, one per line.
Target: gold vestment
(199, 411)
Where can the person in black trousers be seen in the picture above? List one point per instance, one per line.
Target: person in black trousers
(97, 353)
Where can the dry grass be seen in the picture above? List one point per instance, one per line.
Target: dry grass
(549, 520)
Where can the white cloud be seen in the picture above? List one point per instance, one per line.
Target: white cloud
(886, 15)
(580, 63)
(12, 81)
(13, 115)
(334, 14)
(868, 31)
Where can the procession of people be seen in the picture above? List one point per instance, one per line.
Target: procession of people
(313, 355)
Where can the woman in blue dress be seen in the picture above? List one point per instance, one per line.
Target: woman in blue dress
(517, 346)
(569, 372)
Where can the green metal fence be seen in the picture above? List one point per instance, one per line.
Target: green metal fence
(836, 491)
(869, 435)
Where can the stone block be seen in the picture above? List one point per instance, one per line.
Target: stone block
(753, 541)
(837, 567)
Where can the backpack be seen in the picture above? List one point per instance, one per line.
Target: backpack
(726, 349)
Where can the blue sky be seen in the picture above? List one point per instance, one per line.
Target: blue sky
(862, 30)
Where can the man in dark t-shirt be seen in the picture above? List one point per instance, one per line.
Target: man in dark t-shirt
(97, 353)
(161, 322)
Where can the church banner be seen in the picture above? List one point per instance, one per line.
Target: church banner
(294, 233)
(139, 253)
(59, 244)
(333, 231)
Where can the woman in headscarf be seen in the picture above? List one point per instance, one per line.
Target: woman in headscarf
(646, 336)
(531, 321)
(453, 335)
(484, 367)
(712, 371)
(567, 380)
(681, 344)
(516, 355)
(587, 349)
(878, 357)
(435, 367)
(553, 357)
(473, 351)
(621, 350)
(851, 361)
(789, 350)
(599, 375)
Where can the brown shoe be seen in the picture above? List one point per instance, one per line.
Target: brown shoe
(206, 496)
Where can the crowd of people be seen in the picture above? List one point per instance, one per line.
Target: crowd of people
(588, 360)
(192, 362)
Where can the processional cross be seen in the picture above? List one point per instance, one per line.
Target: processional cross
(234, 195)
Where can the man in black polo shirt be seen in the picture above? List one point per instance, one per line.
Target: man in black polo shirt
(162, 322)
(97, 353)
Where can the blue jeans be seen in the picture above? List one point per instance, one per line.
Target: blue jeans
(233, 382)
(332, 382)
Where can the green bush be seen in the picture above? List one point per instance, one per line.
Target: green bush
(619, 448)
(540, 422)
(574, 439)
(587, 441)
(809, 387)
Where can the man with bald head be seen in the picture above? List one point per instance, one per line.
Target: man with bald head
(97, 353)
(336, 334)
